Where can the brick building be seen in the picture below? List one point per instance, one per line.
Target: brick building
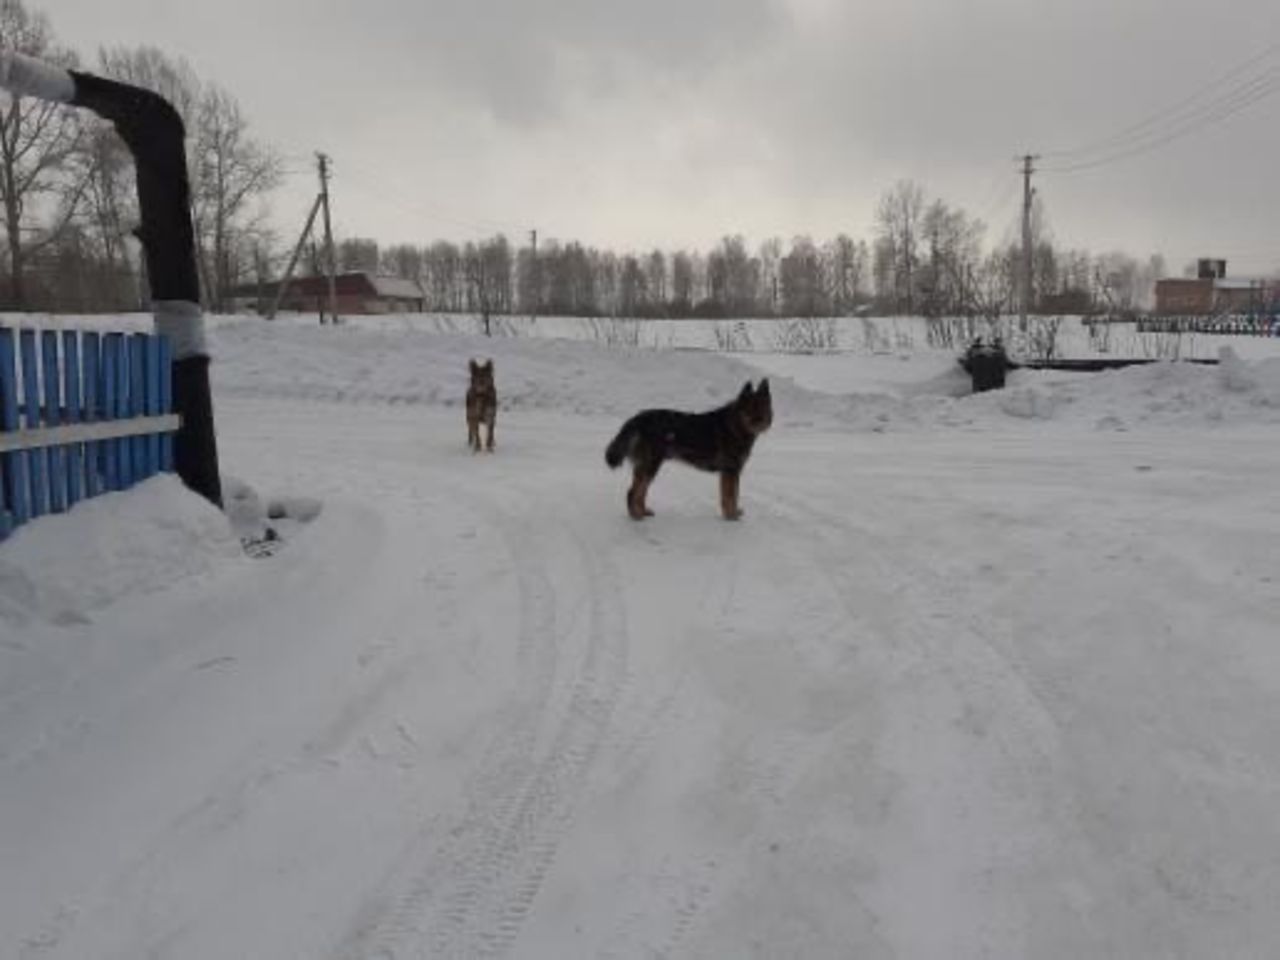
(1213, 292)
(358, 292)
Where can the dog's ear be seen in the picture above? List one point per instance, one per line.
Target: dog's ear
(747, 391)
(488, 365)
(475, 367)
(763, 389)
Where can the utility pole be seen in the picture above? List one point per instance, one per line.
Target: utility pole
(323, 160)
(321, 203)
(537, 286)
(1028, 168)
(293, 262)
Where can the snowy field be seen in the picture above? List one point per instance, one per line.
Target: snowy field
(986, 676)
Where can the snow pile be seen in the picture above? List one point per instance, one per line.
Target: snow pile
(583, 366)
(821, 336)
(1161, 394)
(402, 365)
(352, 365)
(61, 568)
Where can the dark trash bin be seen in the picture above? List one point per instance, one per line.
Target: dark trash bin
(987, 364)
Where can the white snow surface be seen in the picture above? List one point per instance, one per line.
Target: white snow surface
(155, 535)
(985, 676)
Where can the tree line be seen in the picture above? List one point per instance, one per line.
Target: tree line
(70, 209)
(934, 264)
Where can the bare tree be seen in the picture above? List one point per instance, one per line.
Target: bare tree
(846, 262)
(1118, 282)
(682, 283)
(37, 141)
(358, 253)
(633, 292)
(402, 260)
(954, 242)
(231, 172)
(898, 224)
(804, 284)
(770, 258)
(112, 201)
(655, 270)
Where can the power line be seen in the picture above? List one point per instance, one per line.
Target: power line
(1261, 92)
(992, 194)
(992, 211)
(1176, 122)
(360, 179)
(1171, 111)
(478, 224)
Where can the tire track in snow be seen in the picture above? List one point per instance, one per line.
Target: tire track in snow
(470, 895)
(487, 921)
(410, 889)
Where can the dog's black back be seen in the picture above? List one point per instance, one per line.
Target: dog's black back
(714, 440)
(718, 440)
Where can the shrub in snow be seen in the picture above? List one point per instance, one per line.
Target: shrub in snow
(732, 337)
(807, 335)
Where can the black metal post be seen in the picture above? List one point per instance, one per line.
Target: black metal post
(153, 131)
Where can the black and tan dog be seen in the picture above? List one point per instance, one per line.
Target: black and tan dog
(718, 441)
(482, 405)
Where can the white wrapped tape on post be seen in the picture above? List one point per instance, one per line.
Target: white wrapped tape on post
(183, 323)
(27, 76)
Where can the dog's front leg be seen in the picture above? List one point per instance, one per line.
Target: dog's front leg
(489, 442)
(729, 496)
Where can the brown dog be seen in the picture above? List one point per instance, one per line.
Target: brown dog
(718, 441)
(482, 405)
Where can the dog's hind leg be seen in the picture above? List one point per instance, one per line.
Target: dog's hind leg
(635, 495)
(641, 478)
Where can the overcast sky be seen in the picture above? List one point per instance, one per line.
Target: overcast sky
(674, 122)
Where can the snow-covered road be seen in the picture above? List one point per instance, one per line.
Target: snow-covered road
(987, 692)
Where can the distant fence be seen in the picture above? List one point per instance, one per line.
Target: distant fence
(81, 414)
(1245, 325)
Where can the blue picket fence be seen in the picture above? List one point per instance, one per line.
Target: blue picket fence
(81, 414)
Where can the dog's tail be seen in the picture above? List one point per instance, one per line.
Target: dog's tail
(621, 445)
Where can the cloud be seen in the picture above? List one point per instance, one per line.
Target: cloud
(677, 121)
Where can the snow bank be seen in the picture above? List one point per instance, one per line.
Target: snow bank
(417, 360)
(399, 365)
(353, 365)
(1160, 394)
(61, 568)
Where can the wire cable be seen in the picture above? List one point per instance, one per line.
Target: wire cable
(1167, 112)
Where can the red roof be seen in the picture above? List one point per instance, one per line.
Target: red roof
(356, 283)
